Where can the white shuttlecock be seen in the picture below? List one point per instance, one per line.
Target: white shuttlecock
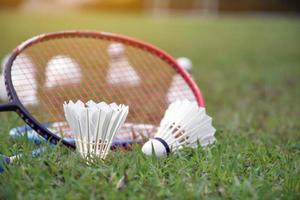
(24, 80)
(179, 90)
(184, 124)
(3, 93)
(120, 72)
(185, 63)
(115, 50)
(62, 70)
(94, 125)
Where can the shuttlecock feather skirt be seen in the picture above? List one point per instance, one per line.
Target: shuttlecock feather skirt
(94, 125)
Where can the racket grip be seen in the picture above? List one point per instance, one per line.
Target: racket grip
(5, 160)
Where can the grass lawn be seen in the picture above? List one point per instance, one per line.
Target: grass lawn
(248, 68)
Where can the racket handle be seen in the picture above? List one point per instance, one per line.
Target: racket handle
(5, 160)
(8, 107)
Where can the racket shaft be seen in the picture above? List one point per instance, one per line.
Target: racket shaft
(8, 107)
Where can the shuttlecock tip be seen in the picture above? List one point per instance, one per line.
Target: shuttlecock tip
(185, 63)
(154, 147)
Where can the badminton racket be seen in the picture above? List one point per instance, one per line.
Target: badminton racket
(49, 69)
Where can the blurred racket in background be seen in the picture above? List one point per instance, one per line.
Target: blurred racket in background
(49, 69)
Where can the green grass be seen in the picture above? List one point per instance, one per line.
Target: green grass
(248, 69)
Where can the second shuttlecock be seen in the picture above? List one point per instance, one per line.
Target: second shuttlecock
(184, 124)
(94, 125)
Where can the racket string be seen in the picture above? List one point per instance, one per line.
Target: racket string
(142, 80)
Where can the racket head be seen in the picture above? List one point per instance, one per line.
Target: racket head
(43, 72)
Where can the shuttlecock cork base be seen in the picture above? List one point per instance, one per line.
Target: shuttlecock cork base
(94, 125)
(184, 124)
